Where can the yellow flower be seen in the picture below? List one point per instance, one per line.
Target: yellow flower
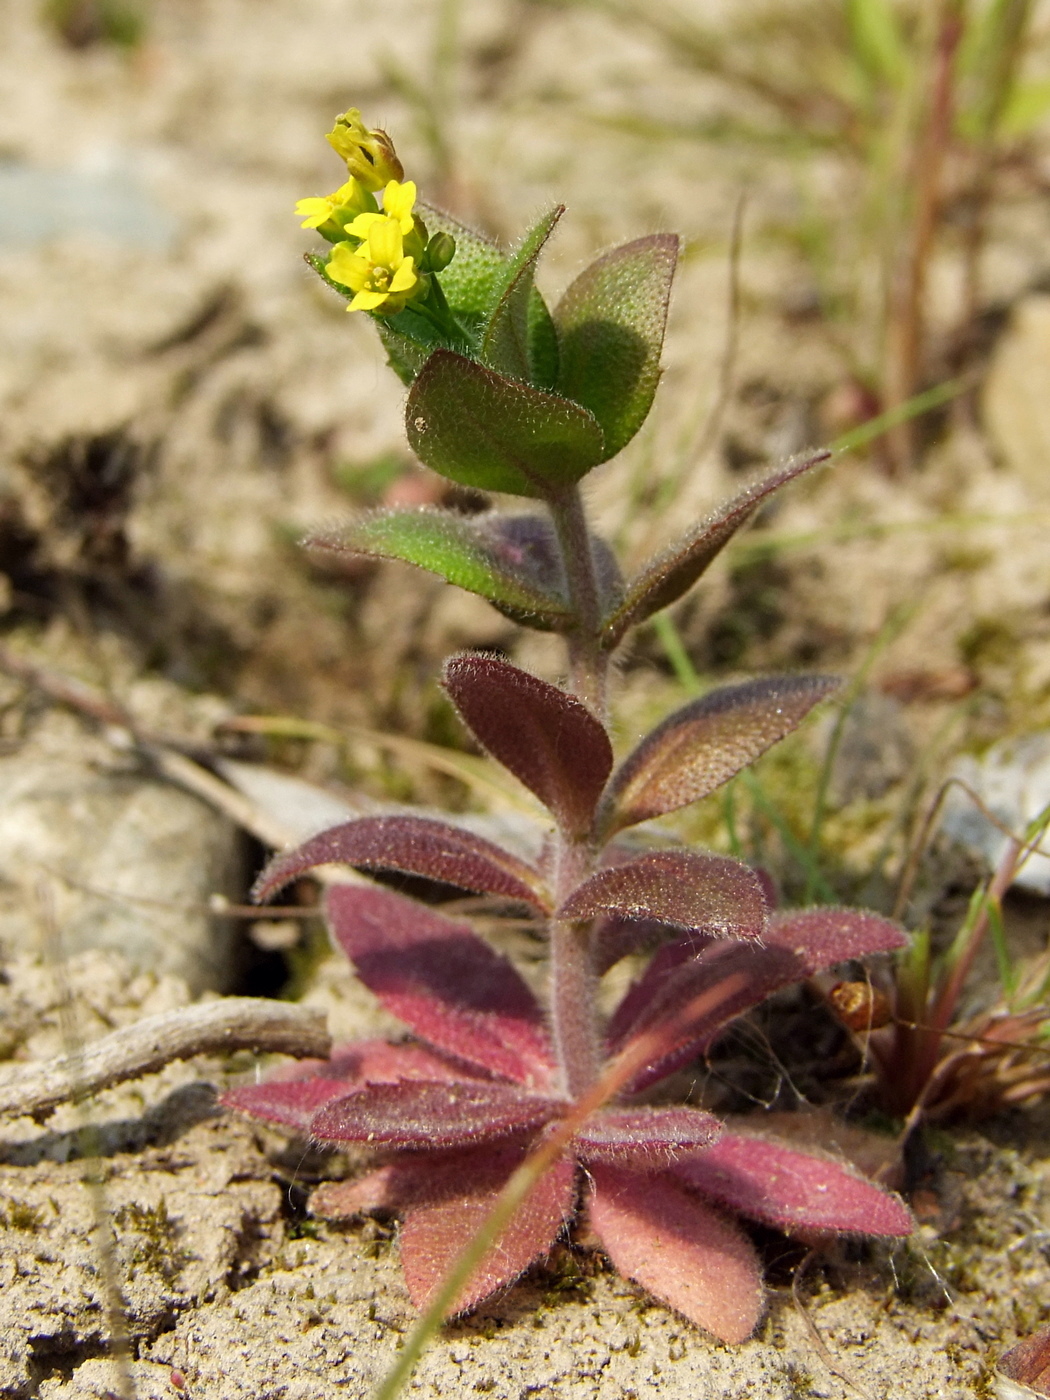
(348, 202)
(398, 202)
(379, 272)
(370, 156)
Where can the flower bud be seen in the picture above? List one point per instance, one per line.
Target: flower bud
(370, 156)
(440, 251)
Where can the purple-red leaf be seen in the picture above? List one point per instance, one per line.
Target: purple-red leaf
(672, 573)
(706, 743)
(614, 937)
(681, 1003)
(413, 846)
(460, 1195)
(645, 1139)
(296, 1092)
(711, 893)
(823, 937)
(290, 1103)
(443, 981)
(375, 1190)
(420, 1114)
(686, 1254)
(792, 1190)
(548, 739)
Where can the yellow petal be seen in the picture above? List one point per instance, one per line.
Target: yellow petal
(316, 211)
(405, 277)
(367, 301)
(348, 268)
(398, 200)
(385, 245)
(361, 226)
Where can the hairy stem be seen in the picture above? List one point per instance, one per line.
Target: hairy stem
(588, 662)
(573, 983)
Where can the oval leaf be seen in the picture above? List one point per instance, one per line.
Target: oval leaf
(415, 1114)
(670, 574)
(689, 1256)
(706, 743)
(712, 893)
(610, 327)
(443, 981)
(681, 1003)
(286, 1103)
(507, 345)
(549, 740)
(413, 846)
(823, 937)
(506, 560)
(473, 426)
(792, 1190)
(459, 1197)
(646, 1139)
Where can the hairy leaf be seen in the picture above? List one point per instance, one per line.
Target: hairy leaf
(670, 574)
(461, 1194)
(443, 981)
(288, 1103)
(681, 1007)
(547, 738)
(471, 278)
(705, 743)
(478, 428)
(823, 937)
(686, 1254)
(610, 326)
(421, 1114)
(295, 1093)
(507, 560)
(712, 893)
(506, 345)
(375, 1190)
(414, 846)
(377, 1062)
(792, 1190)
(646, 1139)
(614, 937)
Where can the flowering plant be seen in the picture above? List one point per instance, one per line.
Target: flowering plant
(506, 396)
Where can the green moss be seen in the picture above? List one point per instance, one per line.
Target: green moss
(20, 1215)
(156, 1247)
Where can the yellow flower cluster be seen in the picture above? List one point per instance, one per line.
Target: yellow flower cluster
(377, 250)
(379, 270)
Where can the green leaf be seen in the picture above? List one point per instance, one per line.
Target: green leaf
(673, 572)
(510, 560)
(470, 280)
(505, 346)
(473, 426)
(543, 343)
(611, 330)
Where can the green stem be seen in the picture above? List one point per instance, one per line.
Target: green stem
(588, 661)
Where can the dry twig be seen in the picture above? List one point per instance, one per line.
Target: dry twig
(211, 1027)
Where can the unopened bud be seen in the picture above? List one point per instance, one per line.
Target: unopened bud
(440, 251)
(370, 156)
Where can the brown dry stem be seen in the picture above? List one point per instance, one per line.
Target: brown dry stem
(212, 1027)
